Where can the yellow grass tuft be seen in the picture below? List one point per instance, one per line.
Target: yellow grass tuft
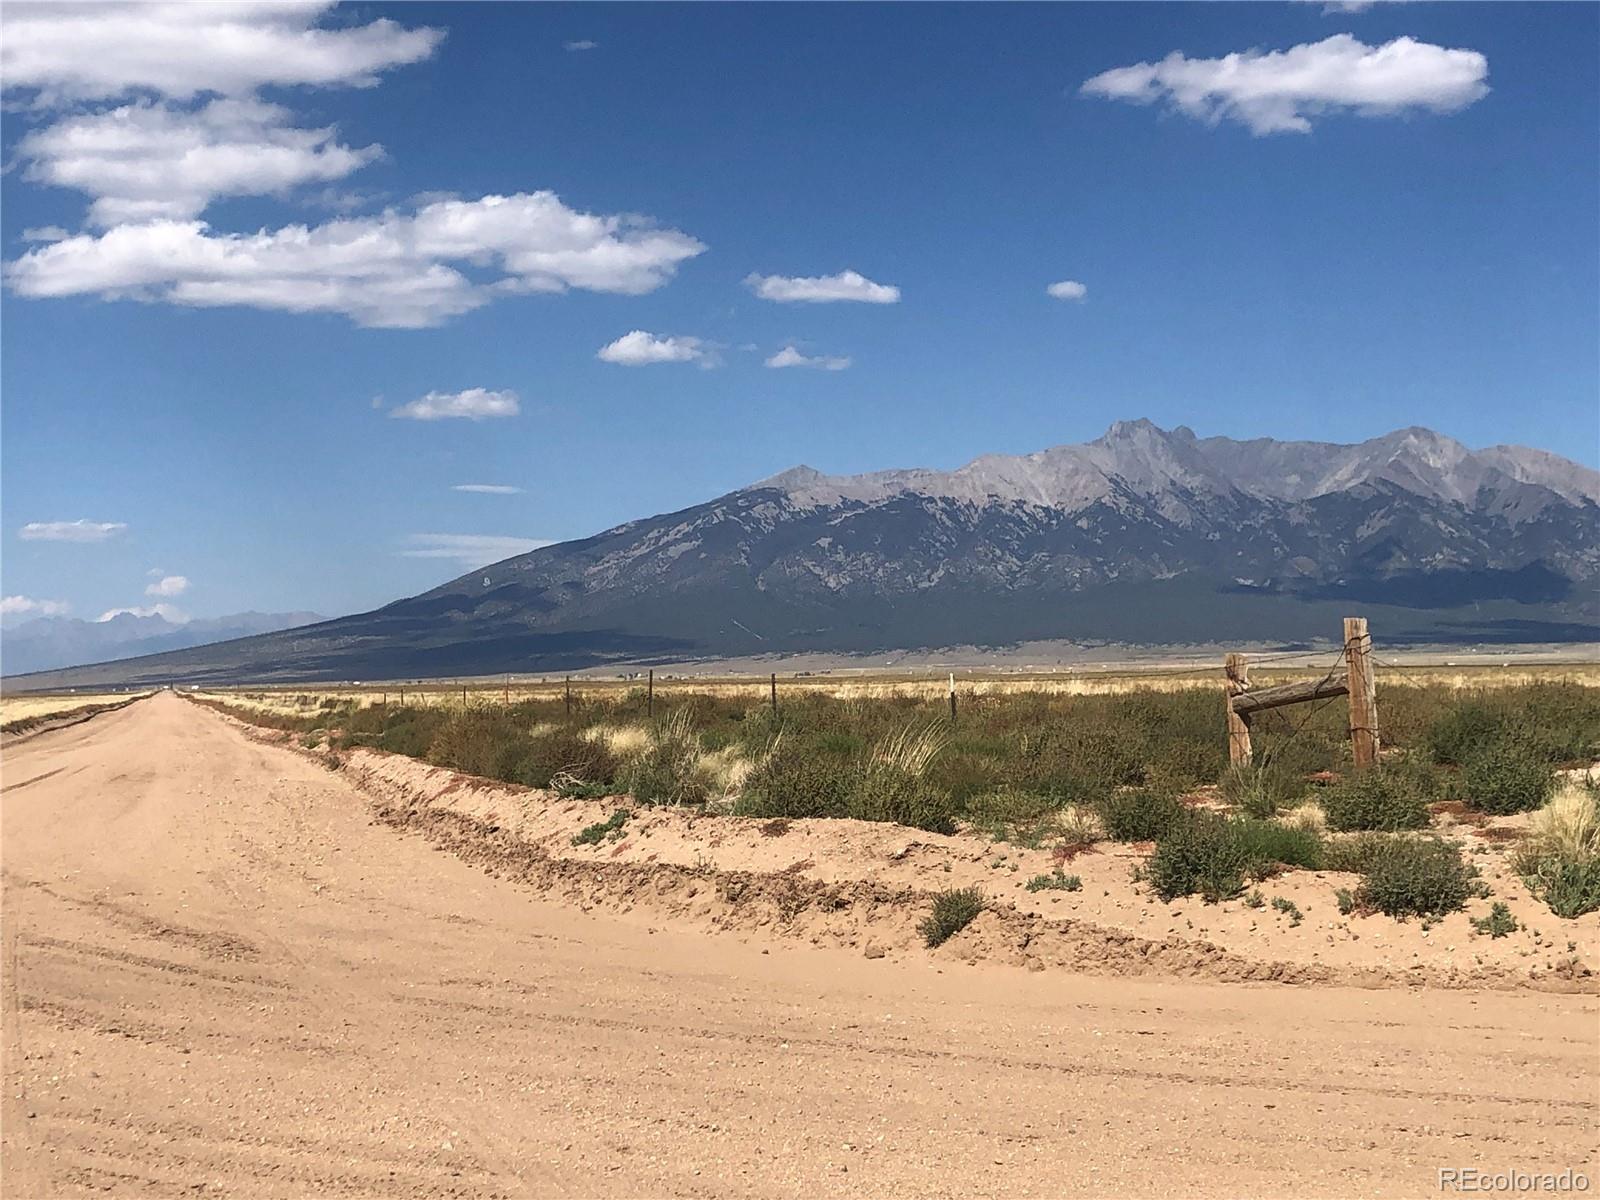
(911, 749)
(625, 741)
(1569, 826)
(1307, 815)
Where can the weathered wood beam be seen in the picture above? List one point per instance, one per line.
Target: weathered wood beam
(1336, 684)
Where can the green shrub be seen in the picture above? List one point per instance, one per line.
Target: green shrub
(1571, 888)
(410, 731)
(1138, 815)
(1198, 853)
(1215, 856)
(1498, 924)
(1507, 776)
(792, 783)
(1463, 730)
(1416, 876)
(953, 911)
(1381, 798)
(1010, 815)
(567, 754)
(1056, 881)
(592, 835)
(1355, 854)
(479, 741)
(884, 792)
(1183, 765)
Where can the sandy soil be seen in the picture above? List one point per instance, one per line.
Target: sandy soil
(222, 976)
(864, 885)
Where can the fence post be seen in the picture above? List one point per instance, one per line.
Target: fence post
(650, 694)
(952, 697)
(1363, 692)
(774, 693)
(569, 696)
(1236, 672)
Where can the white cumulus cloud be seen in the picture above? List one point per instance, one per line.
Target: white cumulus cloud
(392, 270)
(789, 356)
(581, 45)
(144, 161)
(27, 606)
(473, 404)
(70, 531)
(104, 49)
(1068, 289)
(822, 289)
(638, 349)
(168, 585)
(470, 549)
(1282, 90)
(488, 489)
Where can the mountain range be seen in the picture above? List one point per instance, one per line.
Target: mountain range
(48, 642)
(1143, 535)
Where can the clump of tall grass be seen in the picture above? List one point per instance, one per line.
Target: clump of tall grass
(667, 771)
(911, 749)
(1261, 789)
(1559, 860)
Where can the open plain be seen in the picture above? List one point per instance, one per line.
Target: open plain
(224, 977)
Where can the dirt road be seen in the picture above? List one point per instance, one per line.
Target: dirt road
(221, 978)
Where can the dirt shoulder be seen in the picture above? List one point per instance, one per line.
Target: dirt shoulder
(866, 885)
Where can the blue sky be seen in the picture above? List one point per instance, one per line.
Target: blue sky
(1344, 237)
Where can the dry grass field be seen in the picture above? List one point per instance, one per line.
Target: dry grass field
(19, 712)
(917, 683)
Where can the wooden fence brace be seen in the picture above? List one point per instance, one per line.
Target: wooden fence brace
(1363, 692)
(1236, 679)
(1260, 699)
(1355, 680)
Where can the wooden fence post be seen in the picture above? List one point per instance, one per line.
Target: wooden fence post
(952, 697)
(1236, 672)
(569, 695)
(1363, 692)
(650, 695)
(774, 693)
